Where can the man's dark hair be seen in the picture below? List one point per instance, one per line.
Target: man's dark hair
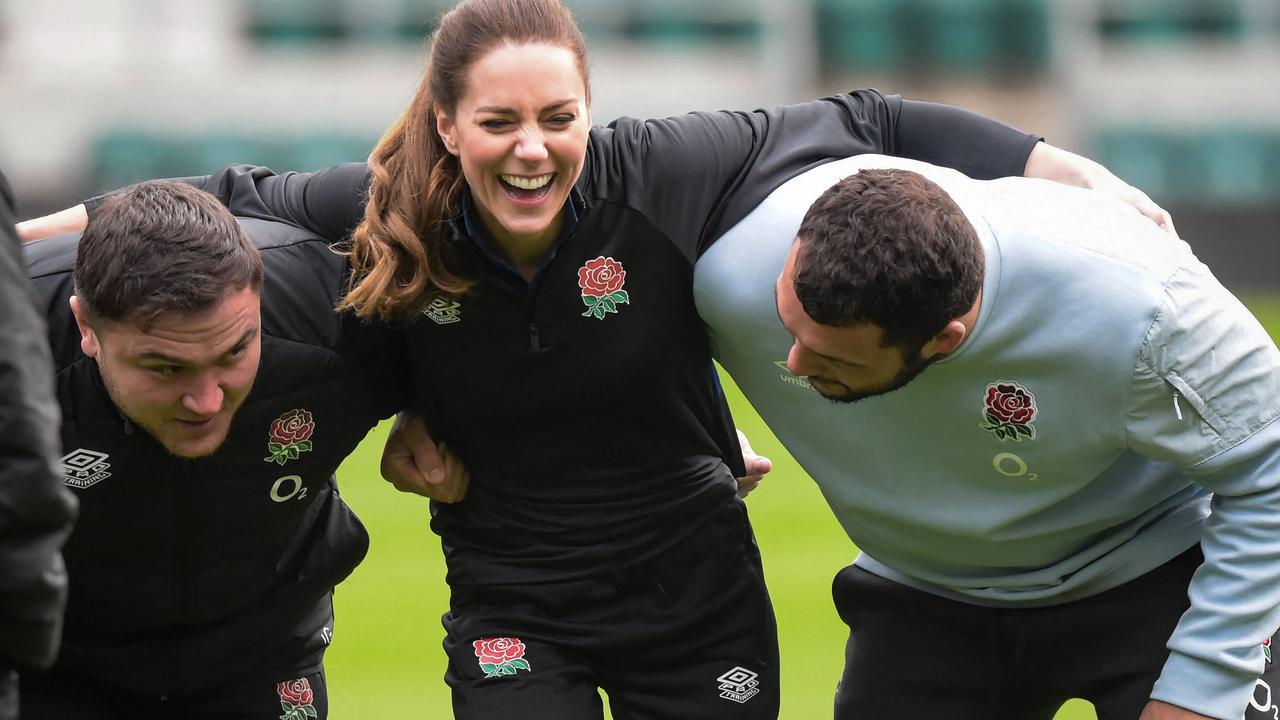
(162, 247)
(891, 248)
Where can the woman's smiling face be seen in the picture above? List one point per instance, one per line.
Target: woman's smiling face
(520, 133)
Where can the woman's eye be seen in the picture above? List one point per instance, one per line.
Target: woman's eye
(495, 124)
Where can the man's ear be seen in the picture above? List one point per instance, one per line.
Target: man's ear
(946, 342)
(88, 338)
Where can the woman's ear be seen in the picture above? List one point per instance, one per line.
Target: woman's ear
(445, 127)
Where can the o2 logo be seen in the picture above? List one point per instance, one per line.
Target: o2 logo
(288, 488)
(1012, 466)
(1265, 703)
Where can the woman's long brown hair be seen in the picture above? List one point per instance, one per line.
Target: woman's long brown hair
(397, 251)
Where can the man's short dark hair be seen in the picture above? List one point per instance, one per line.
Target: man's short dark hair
(891, 248)
(162, 247)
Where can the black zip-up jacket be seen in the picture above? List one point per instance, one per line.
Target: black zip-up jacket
(35, 510)
(190, 573)
(585, 403)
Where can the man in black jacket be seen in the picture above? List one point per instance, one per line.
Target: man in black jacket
(209, 392)
(35, 510)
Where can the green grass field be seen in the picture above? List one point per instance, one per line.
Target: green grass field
(386, 660)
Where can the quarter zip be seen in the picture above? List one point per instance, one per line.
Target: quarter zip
(534, 342)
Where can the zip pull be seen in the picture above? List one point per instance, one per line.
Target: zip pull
(534, 343)
(1177, 409)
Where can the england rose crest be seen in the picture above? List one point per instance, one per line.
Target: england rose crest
(601, 283)
(290, 436)
(1008, 411)
(296, 699)
(500, 656)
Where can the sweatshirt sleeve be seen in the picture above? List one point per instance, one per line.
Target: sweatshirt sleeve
(36, 510)
(1206, 397)
(329, 203)
(697, 175)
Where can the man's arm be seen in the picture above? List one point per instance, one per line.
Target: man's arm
(36, 510)
(1206, 397)
(414, 463)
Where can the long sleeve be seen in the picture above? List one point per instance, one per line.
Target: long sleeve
(329, 203)
(36, 510)
(697, 175)
(1206, 397)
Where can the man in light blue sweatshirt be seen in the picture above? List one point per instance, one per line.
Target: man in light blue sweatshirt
(1063, 452)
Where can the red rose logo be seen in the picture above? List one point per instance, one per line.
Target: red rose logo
(601, 277)
(292, 427)
(1011, 404)
(497, 650)
(295, 692)
(500, 656)
(1009, 410)
(601, 282)
(290, 436)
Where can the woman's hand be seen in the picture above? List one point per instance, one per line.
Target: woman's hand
(1053, 163)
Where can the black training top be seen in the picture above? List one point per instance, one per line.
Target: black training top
(586, 405)
(189, 573)
(37, 510)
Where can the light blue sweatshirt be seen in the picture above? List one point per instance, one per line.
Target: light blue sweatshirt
(1155, 396)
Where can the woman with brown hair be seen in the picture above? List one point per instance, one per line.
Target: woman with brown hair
(541, 270)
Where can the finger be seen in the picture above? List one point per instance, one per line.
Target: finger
(429, 463)
(403, 475)
(426, 455)
(746, 485)
(457, 479)
(760, 465)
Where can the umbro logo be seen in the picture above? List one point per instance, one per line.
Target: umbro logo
(787, 377)
(82, 468)
(443, 311)
(739, 685)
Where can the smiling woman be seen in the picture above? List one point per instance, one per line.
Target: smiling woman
(520, 132)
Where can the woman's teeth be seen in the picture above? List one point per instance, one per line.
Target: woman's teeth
(526, 183)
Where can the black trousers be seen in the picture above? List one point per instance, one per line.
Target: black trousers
(60, 695)
(912, 655)
(687, 634)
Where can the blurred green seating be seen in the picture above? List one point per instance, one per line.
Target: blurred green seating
(934, 36)
(1241, 165)
(1221, 165)
(1141, 157)
(126, 156)
(690, 22)
(860, 34)
(295, 22)
(1163, 22)
(963, 33)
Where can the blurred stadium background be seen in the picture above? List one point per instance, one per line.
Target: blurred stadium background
(1179, 97)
